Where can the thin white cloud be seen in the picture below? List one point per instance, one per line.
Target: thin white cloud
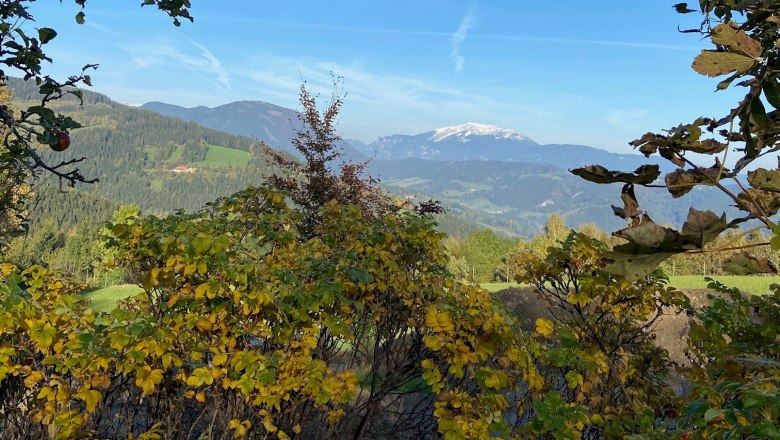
(213, 66)
(583, 42)
(380, 103)
(205, 64)
(471, 35)
(457, 40)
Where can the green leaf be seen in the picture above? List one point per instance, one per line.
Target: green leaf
(746, 264)
(712, 63)
(46, 34)
(772, 91)
(202, 244)
(712, 413)
(573, 379)
(644, 175)
(758, 115)
(42, 333)
(775, 241)
(701, 227)
(119, 230)
(767, 180)
(634, 266)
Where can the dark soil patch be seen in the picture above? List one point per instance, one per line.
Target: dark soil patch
(671, 330)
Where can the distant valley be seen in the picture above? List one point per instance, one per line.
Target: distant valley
(486, 176)
(493, 177)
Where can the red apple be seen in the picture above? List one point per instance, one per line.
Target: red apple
(63, 142)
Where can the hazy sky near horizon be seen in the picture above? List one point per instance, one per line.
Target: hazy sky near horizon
(594, 73)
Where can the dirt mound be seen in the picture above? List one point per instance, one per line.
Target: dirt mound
(671, 329)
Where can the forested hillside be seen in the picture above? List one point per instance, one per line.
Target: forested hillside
(133, 152)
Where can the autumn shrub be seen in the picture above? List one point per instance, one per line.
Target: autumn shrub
(734, 349)
(244, 328)
(599, 360)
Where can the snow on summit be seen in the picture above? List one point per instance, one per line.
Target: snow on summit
(463, 131)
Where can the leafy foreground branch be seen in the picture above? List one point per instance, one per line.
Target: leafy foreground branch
(23, 132)
(733, 342)
(745, 40)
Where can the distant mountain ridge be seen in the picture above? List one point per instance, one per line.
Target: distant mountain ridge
(472, 141)
(276, 125)
(270, 123)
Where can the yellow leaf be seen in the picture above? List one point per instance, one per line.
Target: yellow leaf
(201, 290)
(220, 359)
(47, 393)
(268, 424)
(544, 327)
(200, 397)
(240, 431)
(205, 325)
(42, 333)
(33, 379)
(729, 34)
(430, 319)
(432, 342)
(712, 63)
(91, 398)
(166, 360)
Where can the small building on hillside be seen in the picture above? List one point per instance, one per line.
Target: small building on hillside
(186, 170)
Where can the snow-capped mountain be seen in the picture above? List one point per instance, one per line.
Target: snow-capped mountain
(466, 132)
(472, 141)
(469, 141)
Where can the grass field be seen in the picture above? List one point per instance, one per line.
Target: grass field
(752, 284)
(495, 287)
(103, 300)
(223, 157)
(176, 155)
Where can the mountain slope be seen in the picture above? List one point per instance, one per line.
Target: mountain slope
(133, 152)
(260, 120)
(519, 197)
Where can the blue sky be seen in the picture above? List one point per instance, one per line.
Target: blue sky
(595, 73)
